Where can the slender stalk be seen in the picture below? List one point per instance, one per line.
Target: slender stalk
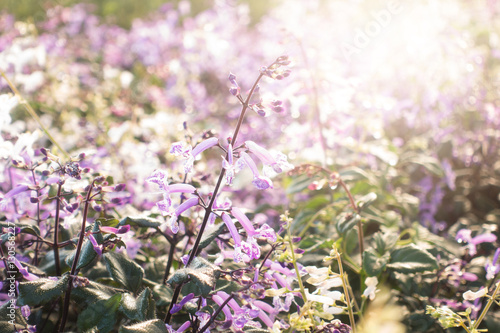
(170, 259)
(346, 292)
(55, 246)
(38, 219)
(75, 261)
(486, 308)
(294, 262)
(313, 218)
(32, 113)
(208, 209)
(360, 225)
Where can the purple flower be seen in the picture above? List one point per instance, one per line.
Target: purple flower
(492, 268)
(235, 89)
(231, 168)
(265, 231)
(24, 271)
(172, 222)
(97, 247)
(110, 230)
(189, 154)
(25, 311)
(238, 256)
(465, 236)
(160, 178)
(177, 307)
(260, 182)
(274, 162)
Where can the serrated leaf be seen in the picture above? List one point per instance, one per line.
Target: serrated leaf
(150, 326)
(347, 221)
(412, 259)
(124, 270)
(210, 234)
(162, 294)
(93, 316)
(146, 222)
(92, 292)
(140, 309)
(48, 265)
(202, 272)
(366, 200)
(87, 254)
(373, 264)
(41, 291)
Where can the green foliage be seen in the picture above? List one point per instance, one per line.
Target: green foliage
(41, 291)
(150, 326)
(201, 272)
(124, 270)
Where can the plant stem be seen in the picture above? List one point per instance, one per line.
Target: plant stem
(33, 114)
(75, 261)
(297, 272)
(486, 307)
(56, 231)
(38, 220)
(170, 259)
(360, 225)
(346, 292)
(216, 313)
(208, 209)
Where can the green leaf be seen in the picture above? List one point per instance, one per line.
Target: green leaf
(150, 326)
(384, 241)
(412, 259)
(202, 272)
(366, 200)
(347, 221)
(162, 294)
(373, 264)
(8, 230)
(210, 234)
(6, 315)
(140, 309)
(48, 264)
(41, 291)
(111, 222)
(100, 315)
(87, 254)
(92, 292)
(124, 271)
(146, 222)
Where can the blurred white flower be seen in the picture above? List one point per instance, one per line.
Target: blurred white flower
(371, 287)
(471, 296)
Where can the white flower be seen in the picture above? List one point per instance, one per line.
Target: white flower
(471, 296)
(371, 287)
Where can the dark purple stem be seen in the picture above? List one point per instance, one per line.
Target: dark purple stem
(208, 209)
(55, 246)
(75, 261)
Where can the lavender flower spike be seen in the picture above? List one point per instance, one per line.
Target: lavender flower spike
(160, 178)
(261, 182)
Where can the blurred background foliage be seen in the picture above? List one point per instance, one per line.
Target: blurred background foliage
(120, 12)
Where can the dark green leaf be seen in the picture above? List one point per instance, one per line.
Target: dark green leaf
(140, 309)
(92, 292)
(47, 263)
(124, 271)
(100, 315)
(347, 221)
(162, 294)
(8, 230)
(146, 222)
(373, 264)
(210, 235)
(87, 254)
(412, 259)
(202, 272)
(41, 291)
(6, 316)
(150, 326)
(112, 222)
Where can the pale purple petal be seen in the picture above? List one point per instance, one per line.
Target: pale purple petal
(232, 229)
(181, 188)
(483, 238)
(244, 221)
(263, 154)
(204, 145)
